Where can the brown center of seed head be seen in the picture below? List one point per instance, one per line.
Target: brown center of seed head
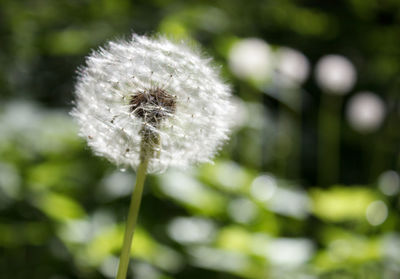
(152, 105)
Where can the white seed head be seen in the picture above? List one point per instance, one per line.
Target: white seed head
(366, 112)
(292, 66)
(335, 74)
(152, 88)
(251, 59)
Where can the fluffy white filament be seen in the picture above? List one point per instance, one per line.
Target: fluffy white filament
(189, 133)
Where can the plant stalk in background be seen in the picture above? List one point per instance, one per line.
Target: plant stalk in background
(329, 139)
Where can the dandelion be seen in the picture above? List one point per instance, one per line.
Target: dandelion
(149, 103)
(335, 74)
(292, 67)
(389, 183)
(366, 112)
(376, 213)
(251, 59)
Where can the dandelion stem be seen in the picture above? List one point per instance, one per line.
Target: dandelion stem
(132, 216)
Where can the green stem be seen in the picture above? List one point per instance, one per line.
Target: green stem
(132, 217)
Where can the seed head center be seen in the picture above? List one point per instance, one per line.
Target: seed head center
(152, 105)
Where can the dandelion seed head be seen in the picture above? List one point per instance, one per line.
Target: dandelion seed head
(335, 74)
(292, 65)
(366, 112)
(251, 58)
(163, 91)
(152, 105)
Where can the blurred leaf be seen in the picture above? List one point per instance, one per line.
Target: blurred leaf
(227, 176)
(68, 42)
(234, 238)
(59, 207)
(342, 203)
(345, 247)
(144, 247)
(190, 193)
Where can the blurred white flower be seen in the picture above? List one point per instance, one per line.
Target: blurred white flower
(287, 252)
(263, 187)
(251, 59)
(154, 89)
(197, 230)
(292, 66)
(40, 130)
(376, 213)
(242, 210)
(114, 185)
(389, 183)
(335, 74)
(365, 112)
(283, 200)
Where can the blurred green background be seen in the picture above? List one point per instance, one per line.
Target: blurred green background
(307, 187)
